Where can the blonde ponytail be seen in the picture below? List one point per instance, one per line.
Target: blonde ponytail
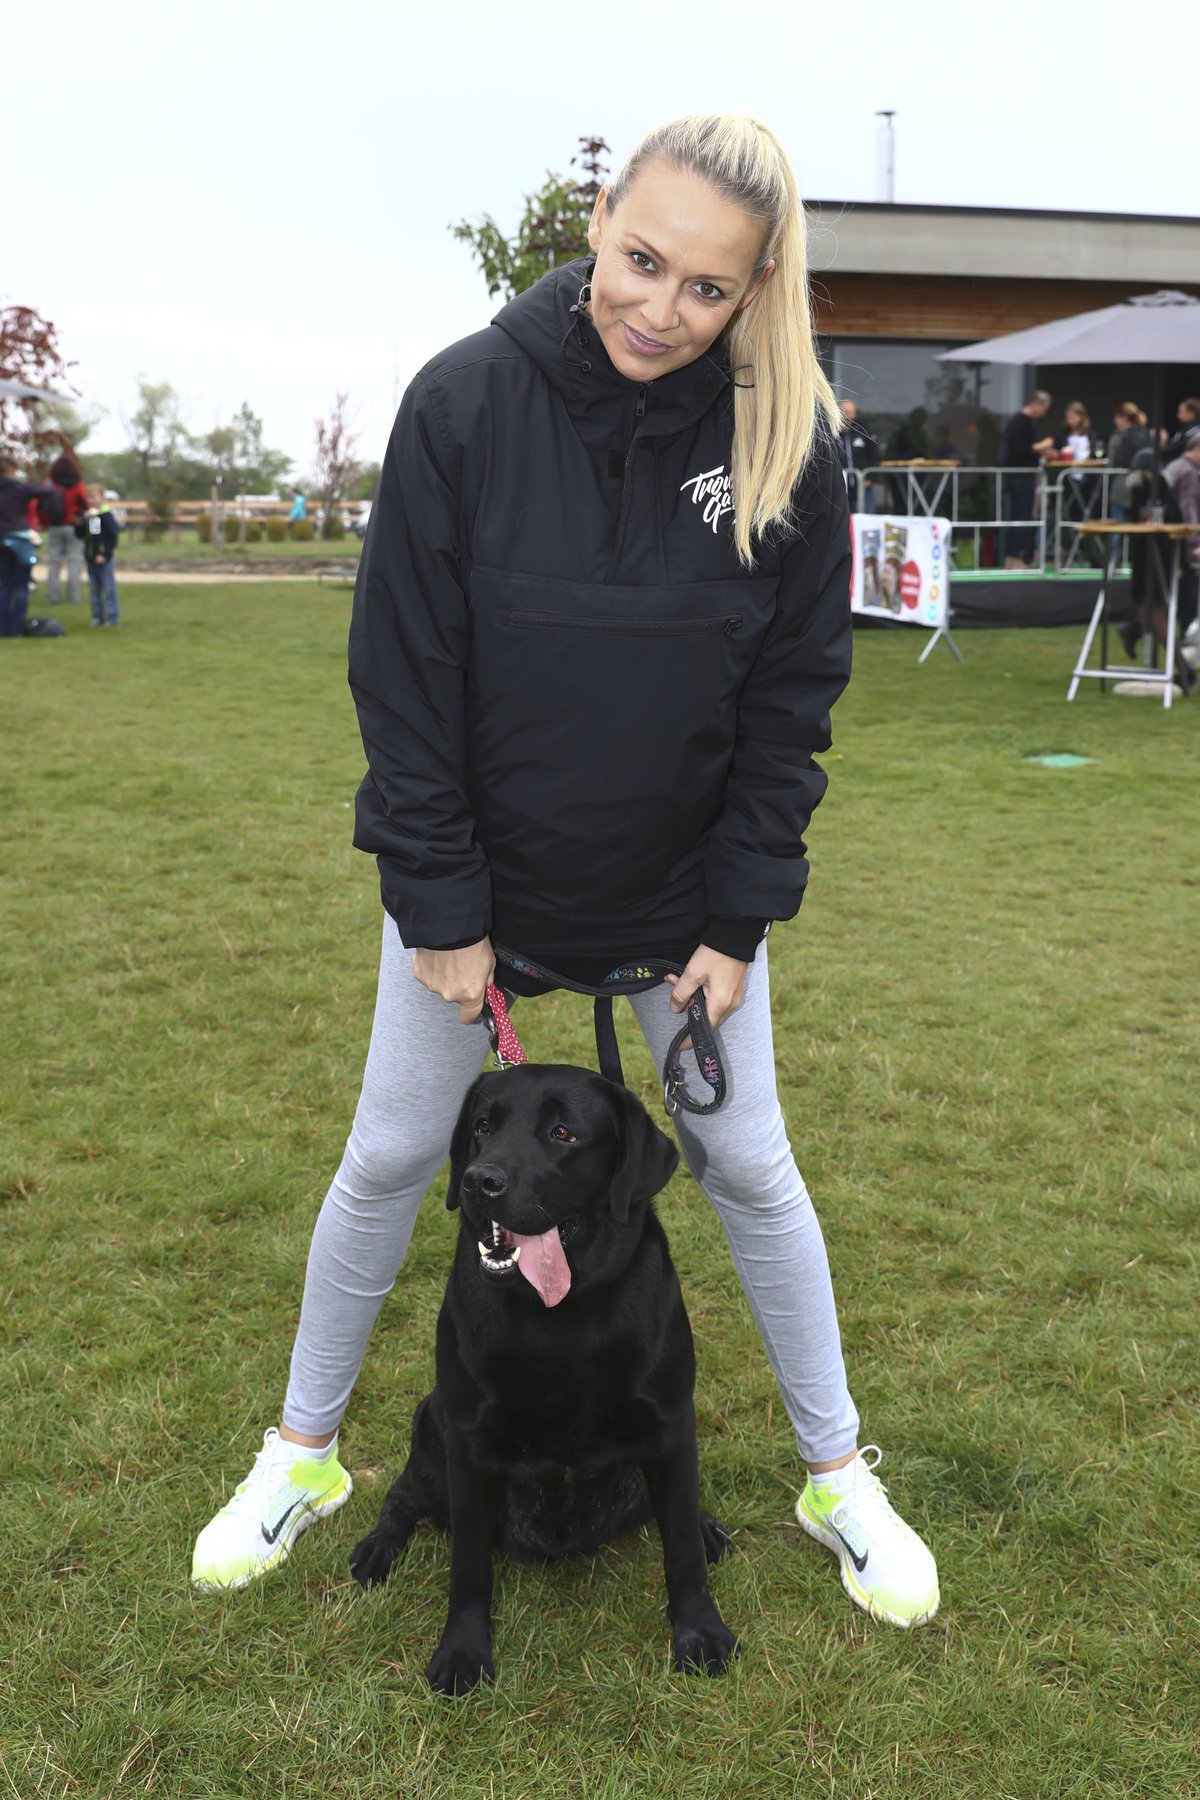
(784, 407)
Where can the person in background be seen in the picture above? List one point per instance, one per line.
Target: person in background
(18, 544)
(1177, 487)
(1187, 415)
(1129, 436)
(1074, 441)
(299, 507)
(858, 451)
(63, 543)
(943, 448)
(1022, 447)
(100, 531)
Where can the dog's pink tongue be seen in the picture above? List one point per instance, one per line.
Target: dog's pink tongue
(543, 1264)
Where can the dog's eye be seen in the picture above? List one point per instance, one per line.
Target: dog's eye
(564, 1136)
(481, 1128)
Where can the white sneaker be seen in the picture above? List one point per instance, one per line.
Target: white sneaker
(886, 1569)
(254, 1532)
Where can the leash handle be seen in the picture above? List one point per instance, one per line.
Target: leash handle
(635, 978)
(506, 1045)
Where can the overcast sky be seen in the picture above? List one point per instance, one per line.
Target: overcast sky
(251, 202)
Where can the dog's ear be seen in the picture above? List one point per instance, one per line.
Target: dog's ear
(460, 1144)
(646, 1160)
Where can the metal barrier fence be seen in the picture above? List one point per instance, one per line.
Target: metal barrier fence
(975, 499)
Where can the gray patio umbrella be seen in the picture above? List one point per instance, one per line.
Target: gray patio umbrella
(1159, 329)
(17, 390)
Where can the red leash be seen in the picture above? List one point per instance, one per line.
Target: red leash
(506, 1045)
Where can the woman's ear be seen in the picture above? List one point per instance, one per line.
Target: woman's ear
(756, 287)
(598, 219)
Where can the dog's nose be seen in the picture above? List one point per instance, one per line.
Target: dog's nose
(486, 1180)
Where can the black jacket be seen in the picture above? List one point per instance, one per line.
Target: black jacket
(589, 731)
(858, 448)
(99, 530)
(15, 496)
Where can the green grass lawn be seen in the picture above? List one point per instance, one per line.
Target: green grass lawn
(988, 1048)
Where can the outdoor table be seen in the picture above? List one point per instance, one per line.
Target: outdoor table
(1157, 535)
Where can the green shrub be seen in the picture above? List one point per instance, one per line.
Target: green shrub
(204, 528)
(254, 531)
(301, 530)
(334, 527)
(277, 530)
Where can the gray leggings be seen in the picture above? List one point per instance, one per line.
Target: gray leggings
(420, 1064)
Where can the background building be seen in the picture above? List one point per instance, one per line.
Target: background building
(895, 285)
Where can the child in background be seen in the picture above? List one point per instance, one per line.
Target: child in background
(100, 531)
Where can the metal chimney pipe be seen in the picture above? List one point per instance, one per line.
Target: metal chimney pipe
(885, 158)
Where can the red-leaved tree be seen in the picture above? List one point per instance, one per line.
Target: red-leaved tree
(336, 467)
(30, 355)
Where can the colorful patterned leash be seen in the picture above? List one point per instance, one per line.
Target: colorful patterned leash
(507, 1050)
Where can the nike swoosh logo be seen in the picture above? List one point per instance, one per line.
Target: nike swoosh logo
(270, 1536)
(860, 1562)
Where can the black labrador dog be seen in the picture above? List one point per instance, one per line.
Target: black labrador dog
(562, 1414)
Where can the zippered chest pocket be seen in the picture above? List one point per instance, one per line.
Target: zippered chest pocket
(724, 626)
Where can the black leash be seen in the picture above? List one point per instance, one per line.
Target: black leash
(636, 979)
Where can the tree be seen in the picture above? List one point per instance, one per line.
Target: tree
(261, 469)
(553, 228)
(157, 432)
(29, 354)
(336, 467)
(56, 420)
(368, 480)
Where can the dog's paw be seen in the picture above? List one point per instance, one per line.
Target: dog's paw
(456, 1668)
(371, 1561)
(716, 1539)
(706, 1649)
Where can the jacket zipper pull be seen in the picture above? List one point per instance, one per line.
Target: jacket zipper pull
(639, 411)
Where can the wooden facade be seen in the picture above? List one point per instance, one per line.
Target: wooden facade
(956, 307)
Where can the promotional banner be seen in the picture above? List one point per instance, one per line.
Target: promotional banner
(901, 569)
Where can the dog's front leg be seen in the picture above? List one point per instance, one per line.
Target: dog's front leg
(464, 1656)
(704, 1644)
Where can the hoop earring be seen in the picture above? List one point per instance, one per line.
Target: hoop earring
(585, 294)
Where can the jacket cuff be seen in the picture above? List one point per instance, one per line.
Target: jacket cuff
(739, 938)
(458, 944)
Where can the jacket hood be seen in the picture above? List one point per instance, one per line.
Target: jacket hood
(547, 323)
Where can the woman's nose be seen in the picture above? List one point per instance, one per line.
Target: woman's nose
(661, 312)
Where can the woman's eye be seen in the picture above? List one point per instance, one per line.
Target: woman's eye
(564, 1136)
(708, 290)
(481, 1128)
(640, 260)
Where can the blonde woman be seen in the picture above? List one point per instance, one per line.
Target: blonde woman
(600, 621)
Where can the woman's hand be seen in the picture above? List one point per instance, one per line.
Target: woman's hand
(460, 976)
(723, 979)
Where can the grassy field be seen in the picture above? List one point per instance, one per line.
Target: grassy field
(988, 1048)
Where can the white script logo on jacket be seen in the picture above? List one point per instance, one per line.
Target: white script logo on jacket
(711, 491)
